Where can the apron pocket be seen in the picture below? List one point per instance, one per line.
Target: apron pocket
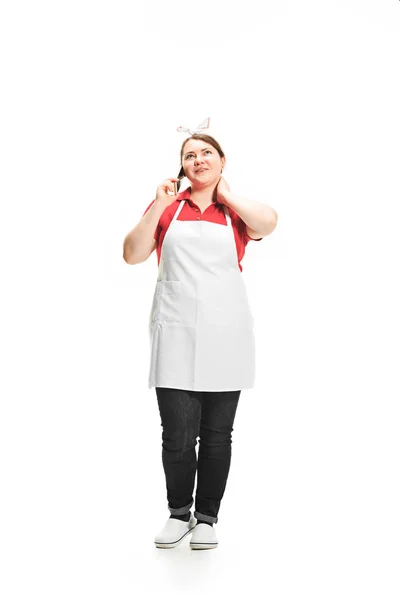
(169, 309)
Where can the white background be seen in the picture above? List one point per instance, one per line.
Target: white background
(303, 96)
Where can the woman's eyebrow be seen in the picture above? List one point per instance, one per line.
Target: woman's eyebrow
(191, 151)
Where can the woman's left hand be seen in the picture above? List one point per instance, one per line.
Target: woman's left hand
(221, 190)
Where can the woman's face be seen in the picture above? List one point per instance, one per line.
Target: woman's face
(201, 162)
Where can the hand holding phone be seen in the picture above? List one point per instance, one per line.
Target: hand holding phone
(167, 191)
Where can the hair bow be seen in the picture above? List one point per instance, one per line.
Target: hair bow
(204, 125)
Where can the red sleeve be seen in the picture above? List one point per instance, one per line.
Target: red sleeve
(246, 237)
(242, 228)
(158, 230)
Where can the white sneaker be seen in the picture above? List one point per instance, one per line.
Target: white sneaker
(203, 537)
(174, 532)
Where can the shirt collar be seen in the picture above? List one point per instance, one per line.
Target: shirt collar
(185, 195)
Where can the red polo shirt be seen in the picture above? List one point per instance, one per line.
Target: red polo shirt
(191, 212)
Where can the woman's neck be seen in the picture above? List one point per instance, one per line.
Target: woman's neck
(203, 195)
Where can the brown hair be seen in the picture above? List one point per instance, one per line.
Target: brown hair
(198, 136)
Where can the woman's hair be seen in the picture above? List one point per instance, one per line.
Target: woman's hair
(198, 136)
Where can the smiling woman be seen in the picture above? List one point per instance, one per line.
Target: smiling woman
(201, 154)
(201, 329)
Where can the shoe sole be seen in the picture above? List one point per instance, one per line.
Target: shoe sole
(204, 546)
(168, 545)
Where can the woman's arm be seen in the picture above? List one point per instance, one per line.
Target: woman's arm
(139, 243)
(260, 218)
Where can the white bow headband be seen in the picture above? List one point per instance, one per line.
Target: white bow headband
(204, 125)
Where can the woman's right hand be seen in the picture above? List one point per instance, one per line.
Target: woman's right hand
(162, 195)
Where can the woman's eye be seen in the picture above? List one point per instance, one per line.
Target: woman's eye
(189, 155)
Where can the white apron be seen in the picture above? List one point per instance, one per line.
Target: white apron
(201, 326)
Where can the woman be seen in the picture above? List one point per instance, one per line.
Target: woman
(201, 330)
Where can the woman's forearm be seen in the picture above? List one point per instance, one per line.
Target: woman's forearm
(139, 242)
(257, 215)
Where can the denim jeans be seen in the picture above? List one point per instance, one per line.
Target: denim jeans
(185, 415)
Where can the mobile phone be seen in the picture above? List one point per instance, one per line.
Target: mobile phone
(175, 188)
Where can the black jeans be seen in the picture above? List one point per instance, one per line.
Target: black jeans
(185, 415)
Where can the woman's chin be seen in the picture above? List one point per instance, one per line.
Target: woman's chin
(203, 182)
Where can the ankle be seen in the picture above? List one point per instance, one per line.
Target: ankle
(181, 517)
(204, 522)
